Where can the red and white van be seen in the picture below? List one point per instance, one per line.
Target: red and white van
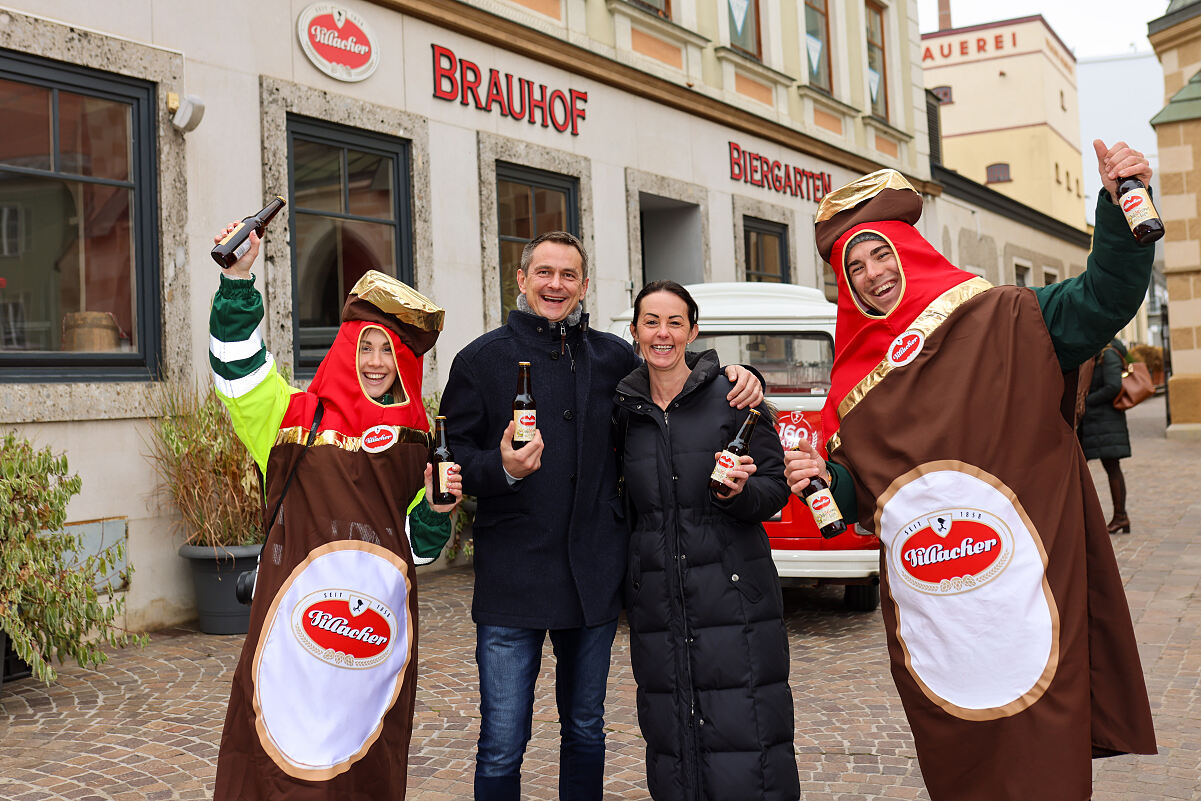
(786, 332)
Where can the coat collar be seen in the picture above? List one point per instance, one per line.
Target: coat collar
(637, 385)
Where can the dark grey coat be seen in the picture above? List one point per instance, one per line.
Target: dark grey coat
(707, 640)
(1103, 432)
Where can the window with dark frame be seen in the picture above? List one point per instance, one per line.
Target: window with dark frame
(529, 203)
(744, 27)
(817, 44)
(997, 173)
(350, 212)
(766, 246)
(944, 95)
(877, 72)
(660, 8)
(79, 279)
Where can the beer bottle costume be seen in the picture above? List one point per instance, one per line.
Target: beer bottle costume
(321, 705)
(1008, 630)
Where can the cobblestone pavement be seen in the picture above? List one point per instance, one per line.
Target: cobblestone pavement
(146, 725)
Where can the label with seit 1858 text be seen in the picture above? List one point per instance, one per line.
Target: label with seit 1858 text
(525, 422)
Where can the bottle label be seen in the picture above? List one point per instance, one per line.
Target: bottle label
(725, 463)
(241, 249)
(525, 424)
(443, 476)
(232, 233)
(1136, 205)
(825, 511)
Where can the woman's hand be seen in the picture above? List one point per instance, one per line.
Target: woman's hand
(454, 485)
(802, 464)
(736, 477)
(241, 268)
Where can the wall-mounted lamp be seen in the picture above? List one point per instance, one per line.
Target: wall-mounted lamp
(187, 112)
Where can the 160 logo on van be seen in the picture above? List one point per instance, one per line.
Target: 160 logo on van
(953, 550)
(344, 629)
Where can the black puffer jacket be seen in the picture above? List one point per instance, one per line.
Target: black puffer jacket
(707, 639)
(1103, 432)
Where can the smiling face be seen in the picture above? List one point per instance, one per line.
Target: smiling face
(555, 283)
(875, 275)
(377, 364)
(663, 331)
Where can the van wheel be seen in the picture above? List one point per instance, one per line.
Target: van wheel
(861, 597)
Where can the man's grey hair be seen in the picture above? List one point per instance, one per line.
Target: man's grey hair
(560, 237)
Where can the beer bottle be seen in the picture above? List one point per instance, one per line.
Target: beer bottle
(728, 459)
(237, 242)
(1140, 212)
(525, 411)
(821, 505)
(442, 459)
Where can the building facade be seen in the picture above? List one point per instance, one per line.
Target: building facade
(1009, 111)
(684, 139)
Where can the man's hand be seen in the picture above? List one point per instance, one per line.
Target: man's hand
(1120, 161)
(802, 464)
(523, 461)
(747, 390)
(454, 485)
(241, 268)
(736, 476)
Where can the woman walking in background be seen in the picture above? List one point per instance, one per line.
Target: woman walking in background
(1103, 432)
(707, 638)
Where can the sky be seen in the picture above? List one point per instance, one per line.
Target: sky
(1089, 28)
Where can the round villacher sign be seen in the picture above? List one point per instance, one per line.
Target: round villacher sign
(344, 628)
(379, 438)
(338, 41)
(953, 550)
(905, 348)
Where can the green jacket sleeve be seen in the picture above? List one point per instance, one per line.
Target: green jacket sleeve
(1084, 312)
(428, 530)
(244, 372)
(842, 487)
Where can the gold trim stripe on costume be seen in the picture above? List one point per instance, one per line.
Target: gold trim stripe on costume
(926, 323)
(298, 435)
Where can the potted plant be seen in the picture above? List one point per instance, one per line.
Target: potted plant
(213, 481)
(53, 603)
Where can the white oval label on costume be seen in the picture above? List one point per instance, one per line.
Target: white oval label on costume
(378, 438)
(905, 348)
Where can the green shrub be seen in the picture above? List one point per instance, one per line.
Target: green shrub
(205, 469)
(50, 604)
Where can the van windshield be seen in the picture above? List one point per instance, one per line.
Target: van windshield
(791, 364)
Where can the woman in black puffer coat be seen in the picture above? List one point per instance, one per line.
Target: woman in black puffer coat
(707, 639)
(1103, 432)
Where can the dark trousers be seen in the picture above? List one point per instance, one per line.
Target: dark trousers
(509, 660)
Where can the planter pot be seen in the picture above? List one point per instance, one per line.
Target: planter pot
(215, 574)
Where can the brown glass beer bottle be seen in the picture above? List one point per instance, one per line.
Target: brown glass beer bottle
(525, 411)
(728, 459)
(820, 500)
(442, 460)
(1141, 216)
(237, 242)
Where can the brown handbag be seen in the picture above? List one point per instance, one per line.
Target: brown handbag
(1136, 386)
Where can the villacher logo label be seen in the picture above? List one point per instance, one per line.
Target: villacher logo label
(378, 438)
(953, 551)
(1131, 201)
(905, 348)
(344, 628)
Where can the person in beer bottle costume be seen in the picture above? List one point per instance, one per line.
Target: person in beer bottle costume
(549, 538)
(321, 705)
(950, 438)
(707, 639)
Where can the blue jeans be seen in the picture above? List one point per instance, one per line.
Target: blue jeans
(509, 660)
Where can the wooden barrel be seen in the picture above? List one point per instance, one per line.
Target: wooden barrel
(90, 330)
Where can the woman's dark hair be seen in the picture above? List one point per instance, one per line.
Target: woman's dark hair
(673, 288)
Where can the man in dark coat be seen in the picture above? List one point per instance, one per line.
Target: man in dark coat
(1009, 635)
(550, 542)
